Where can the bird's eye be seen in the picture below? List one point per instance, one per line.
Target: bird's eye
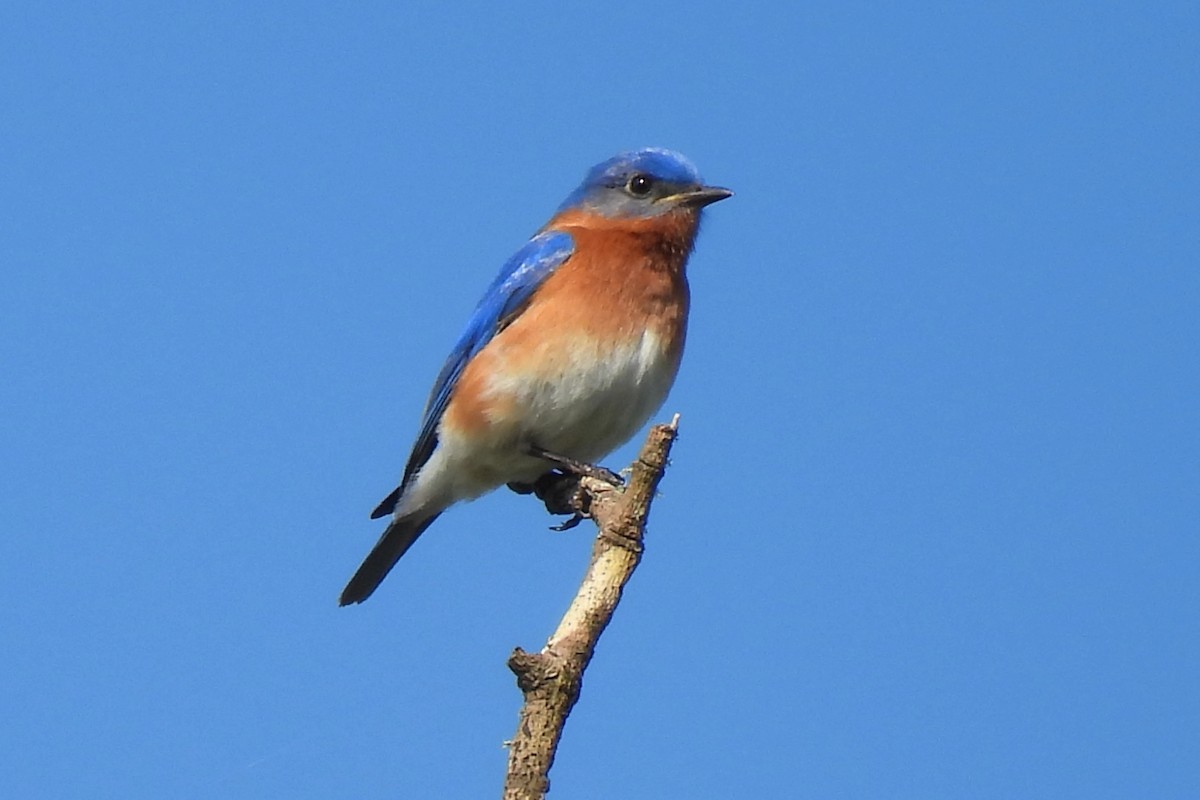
(640, 185)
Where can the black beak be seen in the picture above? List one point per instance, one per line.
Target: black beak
(699, 198)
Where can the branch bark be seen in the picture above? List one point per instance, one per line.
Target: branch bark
(551, 679)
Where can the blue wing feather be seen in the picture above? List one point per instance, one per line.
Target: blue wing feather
(505, 298)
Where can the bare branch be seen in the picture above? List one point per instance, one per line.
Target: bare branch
(551, 679)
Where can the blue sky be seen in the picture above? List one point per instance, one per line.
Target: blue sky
(930, 530)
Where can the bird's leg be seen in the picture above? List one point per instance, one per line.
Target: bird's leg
(575, 467)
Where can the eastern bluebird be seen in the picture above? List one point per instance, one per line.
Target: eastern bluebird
(572, 348)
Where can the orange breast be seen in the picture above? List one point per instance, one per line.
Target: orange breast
(624, 279)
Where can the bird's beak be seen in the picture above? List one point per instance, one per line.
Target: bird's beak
(698, 198)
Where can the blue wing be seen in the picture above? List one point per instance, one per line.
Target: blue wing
(503, 302)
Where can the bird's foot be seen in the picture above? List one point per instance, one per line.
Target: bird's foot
(562, 493)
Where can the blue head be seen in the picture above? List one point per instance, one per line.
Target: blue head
(643, 183)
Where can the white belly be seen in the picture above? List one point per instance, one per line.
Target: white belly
(595, 399)
(584, 402)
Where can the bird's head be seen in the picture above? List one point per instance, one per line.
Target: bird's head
(643, 183)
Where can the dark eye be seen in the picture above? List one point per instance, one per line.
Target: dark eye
(640, 185)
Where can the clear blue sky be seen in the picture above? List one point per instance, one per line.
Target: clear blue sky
(931, 527)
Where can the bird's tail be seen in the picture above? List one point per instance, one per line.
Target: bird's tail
(394, 543)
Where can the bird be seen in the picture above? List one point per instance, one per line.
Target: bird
(571, 350)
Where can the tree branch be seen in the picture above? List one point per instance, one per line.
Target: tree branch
(551, 680)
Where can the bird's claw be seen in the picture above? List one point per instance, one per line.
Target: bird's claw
(566, 525)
